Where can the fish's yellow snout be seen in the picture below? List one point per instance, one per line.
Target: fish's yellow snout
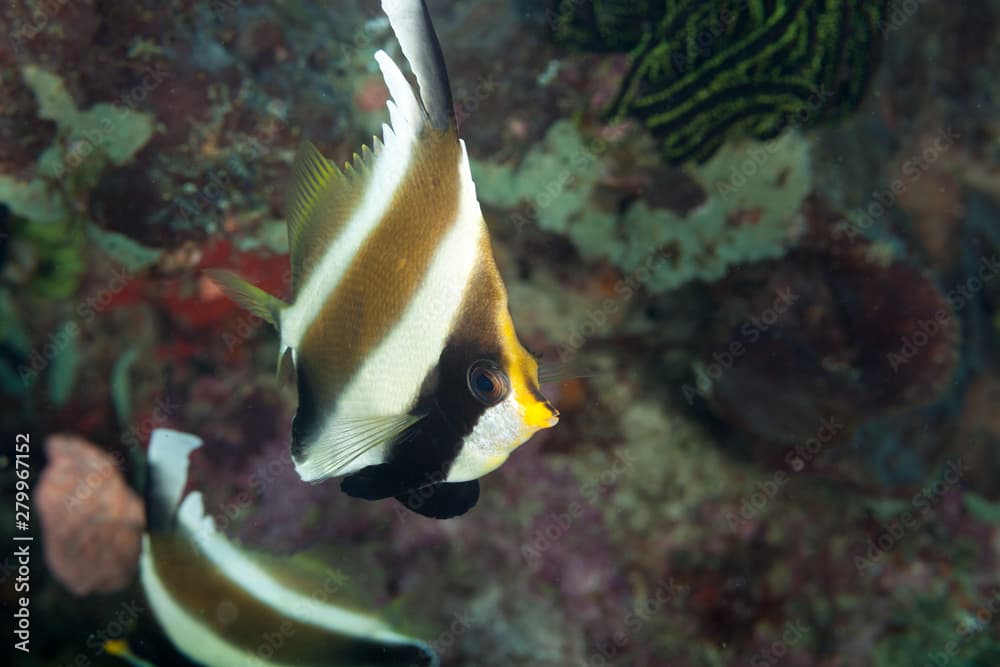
(540, 414)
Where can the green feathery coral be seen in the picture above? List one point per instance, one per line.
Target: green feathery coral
(703, 72)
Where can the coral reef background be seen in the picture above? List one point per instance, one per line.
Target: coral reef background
(788, 449)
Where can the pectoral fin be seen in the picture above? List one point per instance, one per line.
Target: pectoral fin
(265, 306)
(332, 452)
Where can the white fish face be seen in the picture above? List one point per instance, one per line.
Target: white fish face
(500, 430)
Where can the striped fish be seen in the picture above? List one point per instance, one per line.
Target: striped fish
(225, 606)
(411, 379)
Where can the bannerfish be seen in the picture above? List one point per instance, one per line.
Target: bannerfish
(223, 605)
(412, 381)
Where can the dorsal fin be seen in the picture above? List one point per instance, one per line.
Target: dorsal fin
(411, 21)
(320, 200)
(166, 475)
(312, 174)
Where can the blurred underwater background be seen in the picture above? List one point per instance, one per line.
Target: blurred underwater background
(769, 229)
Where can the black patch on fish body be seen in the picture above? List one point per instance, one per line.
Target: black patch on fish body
(424, 453)
(376, 482)
(307, 416)
(436, 500)
(419, 460)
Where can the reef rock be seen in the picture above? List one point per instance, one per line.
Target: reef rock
(737, 207)
(92, 522)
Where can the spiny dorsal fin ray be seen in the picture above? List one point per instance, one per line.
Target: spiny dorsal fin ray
(411, 22)
(311, 175)
(322, 197)
(320, 202)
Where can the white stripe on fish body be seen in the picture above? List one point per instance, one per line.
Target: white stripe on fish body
(388, 172)
(187, 631)
(167, 461)
(389, 381)
(252, 578)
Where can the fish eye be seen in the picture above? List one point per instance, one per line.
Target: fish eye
(487, 382)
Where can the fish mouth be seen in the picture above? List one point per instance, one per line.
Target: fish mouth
(541, 415)
(554, 418)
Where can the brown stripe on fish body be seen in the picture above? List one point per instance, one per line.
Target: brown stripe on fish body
(321, 202)
(199, 587)
(485, 297)
(383, 276)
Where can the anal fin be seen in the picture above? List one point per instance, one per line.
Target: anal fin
(443, 500)
(437, 500)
